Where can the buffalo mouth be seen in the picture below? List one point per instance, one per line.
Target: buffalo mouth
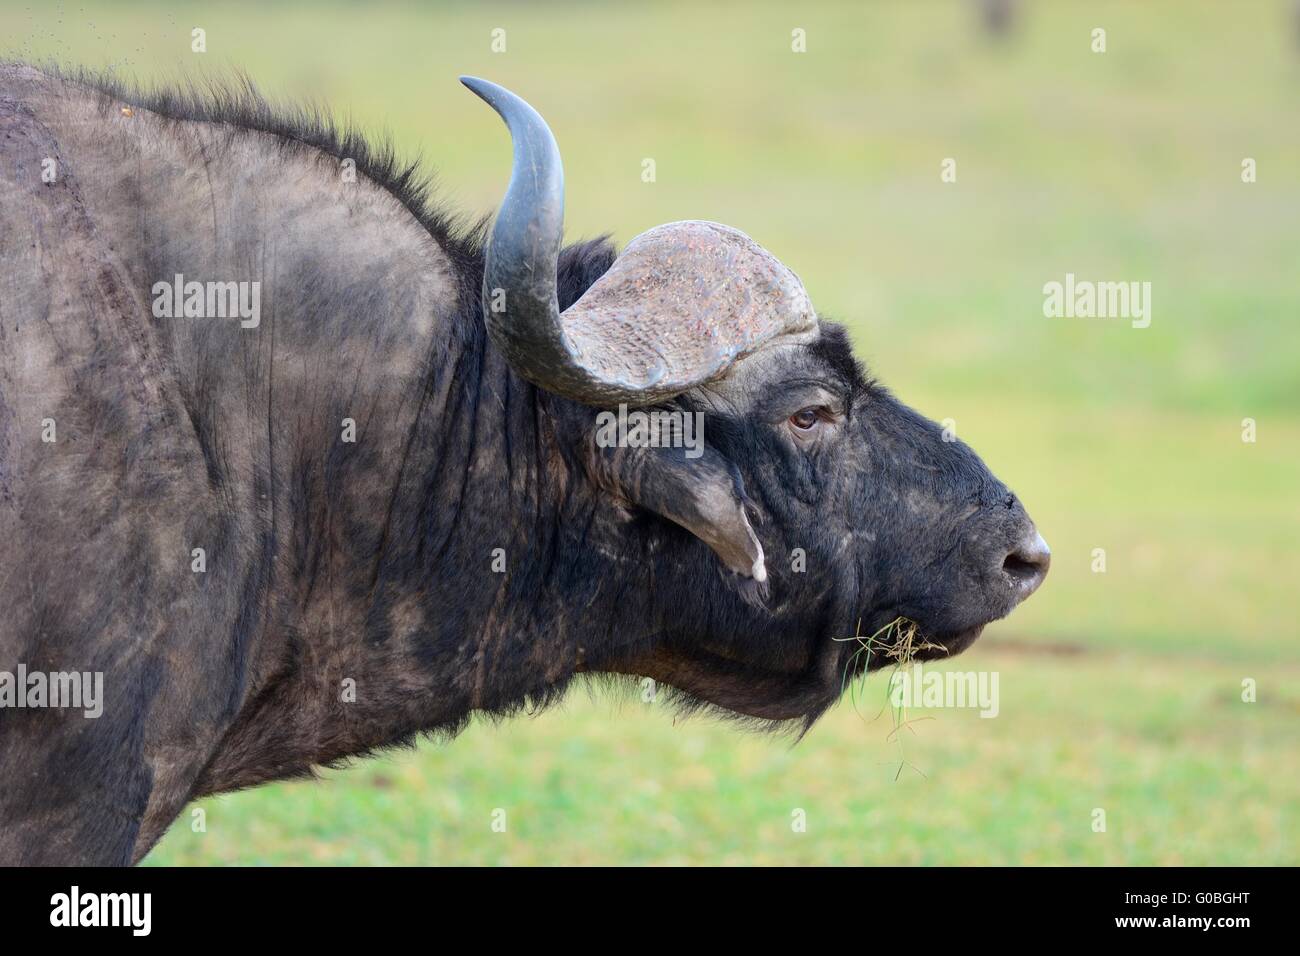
(910, 641)
(950, 645)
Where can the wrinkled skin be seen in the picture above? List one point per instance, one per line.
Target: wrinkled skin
(372, 562)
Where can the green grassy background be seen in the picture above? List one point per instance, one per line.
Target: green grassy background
(1120, 690)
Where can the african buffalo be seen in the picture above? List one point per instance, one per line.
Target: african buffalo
(300, 467)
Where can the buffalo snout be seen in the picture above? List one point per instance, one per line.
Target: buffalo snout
(1026, 565)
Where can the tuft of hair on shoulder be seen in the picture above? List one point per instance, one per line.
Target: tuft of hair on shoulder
(233, 99)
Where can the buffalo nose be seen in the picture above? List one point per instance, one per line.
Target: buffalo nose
(1027, 564)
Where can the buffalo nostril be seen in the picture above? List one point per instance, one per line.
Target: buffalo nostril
(1027, 565)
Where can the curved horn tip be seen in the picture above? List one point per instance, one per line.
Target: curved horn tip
(475, 84)
(495, 95)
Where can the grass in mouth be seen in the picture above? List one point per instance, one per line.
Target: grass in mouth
(898, 641)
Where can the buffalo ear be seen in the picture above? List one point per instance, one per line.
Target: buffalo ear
(701, 494)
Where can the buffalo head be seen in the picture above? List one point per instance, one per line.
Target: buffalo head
(829, 508)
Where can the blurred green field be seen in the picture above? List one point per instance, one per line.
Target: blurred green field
(1120, 690)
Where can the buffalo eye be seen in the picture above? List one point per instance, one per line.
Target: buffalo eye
(805, 420)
